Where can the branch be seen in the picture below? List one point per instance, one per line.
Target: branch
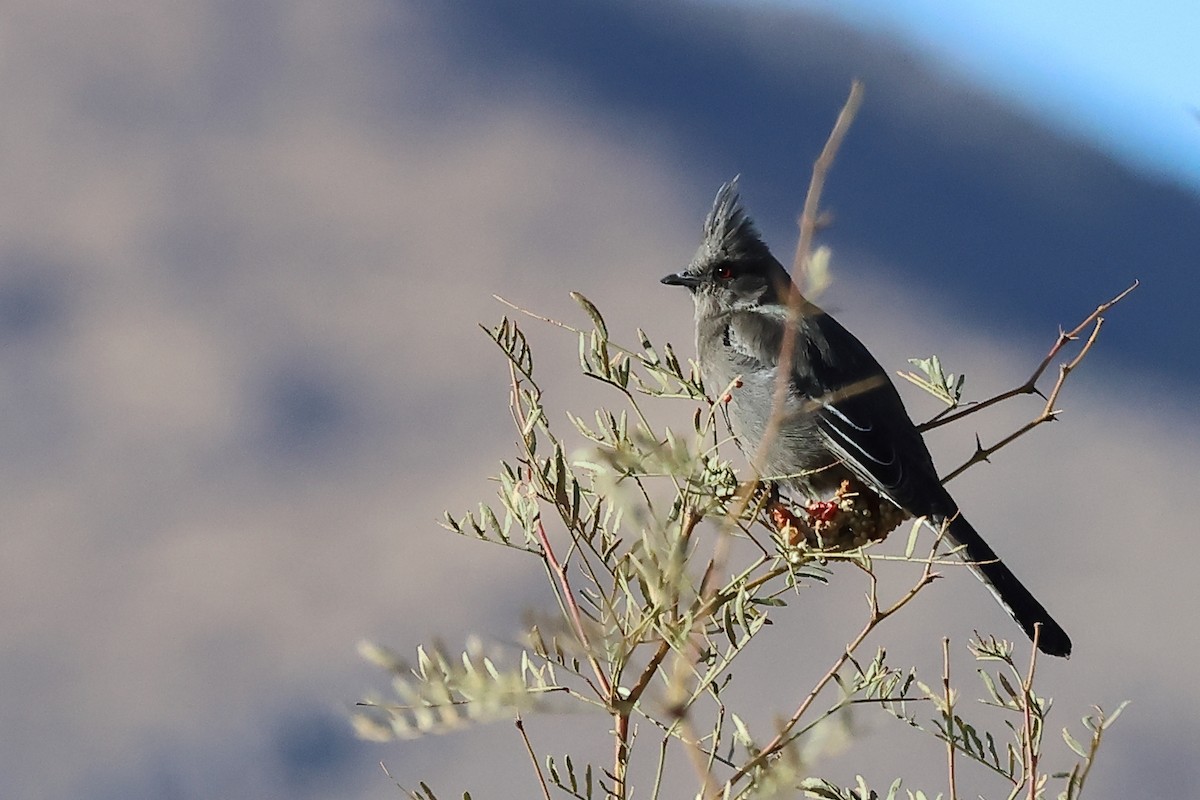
(1049, 412)
(810, 215)
(950, 748)
(797, 305)
(520, 723)
(620, 716)
(1030, 385)
(1031, 751)
(556, 568)
(573, 612)
(877, 616)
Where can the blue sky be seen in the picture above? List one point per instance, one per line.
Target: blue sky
(1124, 75)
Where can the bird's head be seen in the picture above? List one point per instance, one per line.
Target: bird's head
(733, 268)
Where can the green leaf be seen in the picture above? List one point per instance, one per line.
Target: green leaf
(947, 387)
(1111, 718)
(1073, 744)
(741, 733)
(592, 312)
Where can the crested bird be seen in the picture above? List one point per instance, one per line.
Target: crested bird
(840, 417)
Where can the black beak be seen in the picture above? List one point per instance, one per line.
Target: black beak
(682, 279)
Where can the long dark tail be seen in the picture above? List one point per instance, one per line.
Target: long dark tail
(1012, 594)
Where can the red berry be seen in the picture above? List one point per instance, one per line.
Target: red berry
(822, 510)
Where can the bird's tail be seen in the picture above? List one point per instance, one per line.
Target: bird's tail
(1003, 584)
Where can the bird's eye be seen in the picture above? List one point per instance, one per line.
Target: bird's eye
(725, 273)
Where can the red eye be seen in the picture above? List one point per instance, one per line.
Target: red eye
(725, 273)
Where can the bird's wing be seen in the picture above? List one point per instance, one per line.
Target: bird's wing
(860, 433)
(857, 409)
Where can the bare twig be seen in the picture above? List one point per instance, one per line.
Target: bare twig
(605, 687)
(949, 699)
(620, 754)
(812, 201)
(656, 787)
(1031, 750)
(1049, 411)
(797, 305)
(877, 616)
(541, 317)
(701, 764)
(520, 723)
(573, 612)
(1030, 384)
(648, 673)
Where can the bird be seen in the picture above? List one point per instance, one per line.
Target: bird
(840, 417)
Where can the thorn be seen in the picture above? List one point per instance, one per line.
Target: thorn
(980, 452)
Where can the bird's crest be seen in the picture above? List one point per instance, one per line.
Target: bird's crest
(729, 234)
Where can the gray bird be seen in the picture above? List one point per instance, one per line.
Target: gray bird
(841, 416)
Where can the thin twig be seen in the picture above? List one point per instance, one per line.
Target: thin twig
(821, 167)
(950, 748)
(573, 612)
(620, 717)
(537, 768)
(712, 599)
(701, 763)
(630, 699)
(620, 754)
(877, 616)
(1031, 756)
(556, 567)
(648, 673)
(1030, 384)
(698, 745)
(1102, 721)
(540, 317)
(656, 787)
(683, 663)
(633, 354)
(1048, 413)
(797, 305)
